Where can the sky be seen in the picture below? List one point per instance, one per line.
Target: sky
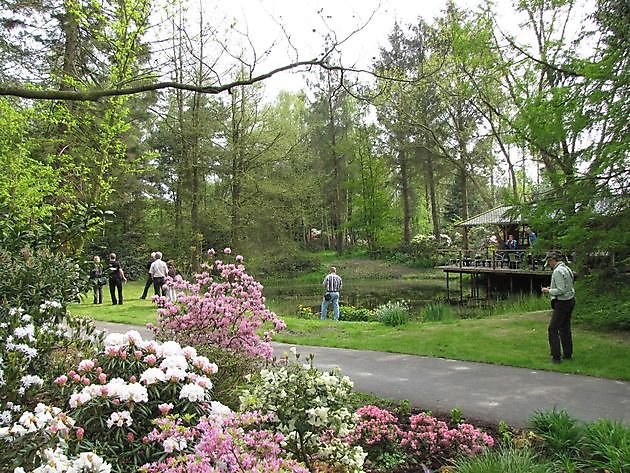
(264, 25)
(307, 21)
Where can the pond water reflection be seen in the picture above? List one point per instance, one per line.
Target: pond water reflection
(284, 299)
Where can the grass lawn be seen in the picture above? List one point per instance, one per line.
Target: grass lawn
(133, 311)
(514, 339)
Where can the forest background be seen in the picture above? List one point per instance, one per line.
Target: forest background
(117, 134)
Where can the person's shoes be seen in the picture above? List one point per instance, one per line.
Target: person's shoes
(556, 361)
(143, 297)
(567, 358)
(114, 303)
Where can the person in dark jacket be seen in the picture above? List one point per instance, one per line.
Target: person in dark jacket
(97, 279)
(116, 278)
(149, 282)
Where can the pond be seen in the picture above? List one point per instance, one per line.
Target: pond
(285, 298)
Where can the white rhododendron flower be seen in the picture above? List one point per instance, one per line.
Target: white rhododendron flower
(119, 419)
(114, 339)
(152, 376)
(174, 361)
(171, 348)
(193, 392)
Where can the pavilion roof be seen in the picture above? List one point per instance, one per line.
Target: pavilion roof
(501, 215)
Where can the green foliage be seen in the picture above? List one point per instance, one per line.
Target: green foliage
(606, 444)
(437, 313)
(304, 312)
(288, 260)
(511, 460)
(456, 415)
(350, 313)
(29, 277)
(603, 301)
(603, 445)
(393, 313)
(561, 434)
(230, 379)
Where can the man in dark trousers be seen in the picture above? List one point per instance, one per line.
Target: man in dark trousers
(562, 303)
(149, 282)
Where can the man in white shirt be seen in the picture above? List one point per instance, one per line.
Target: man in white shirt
(158, 271)
(562, 303)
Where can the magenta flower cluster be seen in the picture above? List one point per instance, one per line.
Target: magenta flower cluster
(236, 443)
(429, 437)
(224, 306)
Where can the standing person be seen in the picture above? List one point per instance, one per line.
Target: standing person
(531, 236)
(332, 284)
(116, 278)
(149, 282)
(158, 271)
(97, 279)
(562, 303)
(171, 293)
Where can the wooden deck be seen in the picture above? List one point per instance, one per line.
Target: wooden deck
(491, 278)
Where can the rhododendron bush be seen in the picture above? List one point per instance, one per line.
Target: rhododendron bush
(30, 352)
(309, 408)
(223, 306)
(121, 396)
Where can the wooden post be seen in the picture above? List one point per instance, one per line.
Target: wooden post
(448, 294)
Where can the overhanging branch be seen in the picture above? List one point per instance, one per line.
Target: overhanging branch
(97, 94)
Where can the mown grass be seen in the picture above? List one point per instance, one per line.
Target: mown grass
(516, 339)
(134, 310)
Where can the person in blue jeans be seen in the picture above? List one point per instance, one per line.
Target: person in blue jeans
(332, 284)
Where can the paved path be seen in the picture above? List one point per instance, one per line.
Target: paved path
(482, 391)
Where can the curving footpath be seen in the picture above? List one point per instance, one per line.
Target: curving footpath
(482, 391)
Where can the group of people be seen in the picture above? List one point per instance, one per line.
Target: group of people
(114, 276)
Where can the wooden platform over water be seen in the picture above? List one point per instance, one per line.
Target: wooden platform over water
(493, 278)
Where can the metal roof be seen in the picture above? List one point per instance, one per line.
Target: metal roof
(500, 215)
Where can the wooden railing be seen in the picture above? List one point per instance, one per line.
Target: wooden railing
(524, 259)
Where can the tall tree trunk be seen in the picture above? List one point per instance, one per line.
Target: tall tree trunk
(336, 160)
(235, 185)
(405, 190)
(435, 213)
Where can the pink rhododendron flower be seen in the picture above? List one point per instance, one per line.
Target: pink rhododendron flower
(61, 380)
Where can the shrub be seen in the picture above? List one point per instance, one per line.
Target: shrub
(431, 440)
(437, 313)
(308, 408)
(236, 443)
(601, 445)
(304, 312)
(32, 354)
(392, 313)
(350, 313)
(603, 301)
(229, 381)
(38, 438)
(115, 397)
(377, 432)
(224, 307)
(29, 277)
(561, 434)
